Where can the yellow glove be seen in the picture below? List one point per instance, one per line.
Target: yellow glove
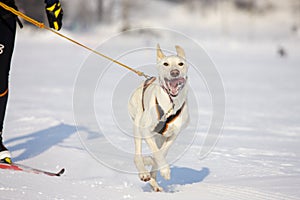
(54, 15)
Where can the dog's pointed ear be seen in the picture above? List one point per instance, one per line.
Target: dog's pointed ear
(180, 51)
(160, 54)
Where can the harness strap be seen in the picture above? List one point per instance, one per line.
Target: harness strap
(162, 126)
(148, 82)
(166, 90)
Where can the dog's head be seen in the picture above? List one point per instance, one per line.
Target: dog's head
(172, 70)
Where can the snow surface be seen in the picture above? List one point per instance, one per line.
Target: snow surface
(257, 156)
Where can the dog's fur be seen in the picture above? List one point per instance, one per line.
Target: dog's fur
(159, 112)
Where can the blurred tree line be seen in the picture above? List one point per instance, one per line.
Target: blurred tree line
(82, 14)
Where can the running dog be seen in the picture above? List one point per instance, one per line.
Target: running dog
(159, 111)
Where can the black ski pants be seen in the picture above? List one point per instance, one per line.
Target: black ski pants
(7, 40)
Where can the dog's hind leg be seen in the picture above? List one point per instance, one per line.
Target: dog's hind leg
(167, 144)
(153, 181)
(159, 159)
(148, 160)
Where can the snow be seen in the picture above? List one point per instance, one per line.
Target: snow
(257, 156)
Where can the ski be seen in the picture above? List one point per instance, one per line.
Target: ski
(24, 168)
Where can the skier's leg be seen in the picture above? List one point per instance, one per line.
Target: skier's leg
(7, 39)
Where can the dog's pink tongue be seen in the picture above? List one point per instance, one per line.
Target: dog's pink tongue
(174, 86)
(173, 91)
(174, 83)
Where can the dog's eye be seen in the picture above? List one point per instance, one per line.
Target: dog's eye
(166, 64)
(181, 64)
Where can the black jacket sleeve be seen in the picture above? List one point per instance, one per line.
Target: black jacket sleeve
(51, 2)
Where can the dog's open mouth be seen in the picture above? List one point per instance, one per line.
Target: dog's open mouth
(175, 85)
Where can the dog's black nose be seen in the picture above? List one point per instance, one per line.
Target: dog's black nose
(174, 72)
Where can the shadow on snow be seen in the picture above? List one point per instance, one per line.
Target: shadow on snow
(40, 141)
(180, 176)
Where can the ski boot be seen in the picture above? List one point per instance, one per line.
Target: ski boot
(5, 156)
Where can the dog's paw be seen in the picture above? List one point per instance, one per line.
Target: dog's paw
(155, 186)
(165, 172)
(145, 176)
(157, 189)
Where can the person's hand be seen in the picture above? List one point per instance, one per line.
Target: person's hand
(54, 15)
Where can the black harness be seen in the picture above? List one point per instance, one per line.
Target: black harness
(162, 126)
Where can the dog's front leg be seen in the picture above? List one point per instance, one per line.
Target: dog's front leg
(138, 158)
(153, 181)
(159, 158)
